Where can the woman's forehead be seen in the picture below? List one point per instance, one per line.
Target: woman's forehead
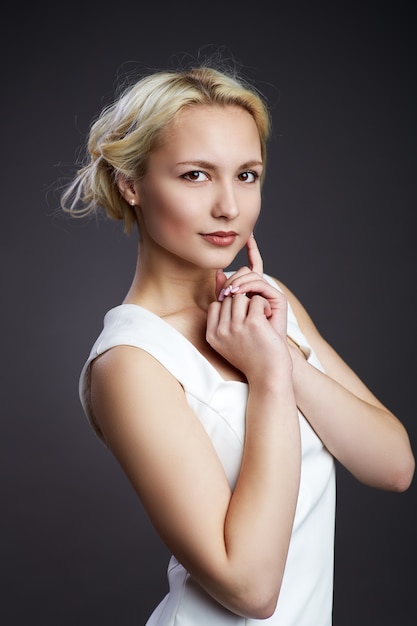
(212, 123)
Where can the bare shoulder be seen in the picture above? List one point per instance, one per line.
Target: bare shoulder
(124, 364)
(304, 320)
(323, 350)
(332, 362)
(125, 380)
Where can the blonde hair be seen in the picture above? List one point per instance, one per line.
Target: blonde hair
(125, 133)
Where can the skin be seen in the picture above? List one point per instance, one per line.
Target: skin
(204, 180)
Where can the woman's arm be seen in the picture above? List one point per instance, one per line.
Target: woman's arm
(234, 543)
(353, 424)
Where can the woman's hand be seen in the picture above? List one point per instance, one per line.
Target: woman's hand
(249, 281)
(247, 324)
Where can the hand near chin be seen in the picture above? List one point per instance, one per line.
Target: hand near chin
(249, 281)
(256, 265)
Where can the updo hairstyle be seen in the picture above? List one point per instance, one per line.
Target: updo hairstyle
(127, 131)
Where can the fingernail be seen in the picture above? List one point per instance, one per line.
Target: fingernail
(221, 295)
(234, 289)
(227, 291)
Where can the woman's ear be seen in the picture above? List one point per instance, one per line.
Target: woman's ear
(128, 190)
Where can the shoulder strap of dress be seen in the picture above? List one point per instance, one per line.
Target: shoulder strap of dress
(135, 326)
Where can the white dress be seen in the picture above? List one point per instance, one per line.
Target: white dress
(306, 595)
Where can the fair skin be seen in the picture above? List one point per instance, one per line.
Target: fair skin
(202, 184)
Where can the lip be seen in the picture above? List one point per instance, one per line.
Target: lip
(220, 237)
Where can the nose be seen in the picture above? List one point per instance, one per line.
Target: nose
(225, 203)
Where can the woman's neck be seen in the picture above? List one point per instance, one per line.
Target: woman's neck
(180, 294)
(166, 288)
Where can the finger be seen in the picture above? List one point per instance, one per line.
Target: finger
(229, 286)
(277, 301)
(254, 256)
(253, 284)
(239, 308)
(259, 305)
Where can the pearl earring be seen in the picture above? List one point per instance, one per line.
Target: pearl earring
(132, 202)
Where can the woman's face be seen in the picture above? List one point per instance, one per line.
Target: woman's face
(201, 196)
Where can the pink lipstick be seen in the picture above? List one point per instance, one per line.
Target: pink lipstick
(221, 238)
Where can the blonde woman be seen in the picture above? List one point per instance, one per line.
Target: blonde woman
(216, 393)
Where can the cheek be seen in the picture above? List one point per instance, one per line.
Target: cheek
(255, 210)
(164, 216)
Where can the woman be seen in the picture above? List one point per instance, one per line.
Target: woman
(215, 392)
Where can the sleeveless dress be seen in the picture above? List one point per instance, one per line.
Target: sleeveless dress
(306, 594)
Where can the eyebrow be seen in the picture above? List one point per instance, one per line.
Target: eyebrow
(212, 166)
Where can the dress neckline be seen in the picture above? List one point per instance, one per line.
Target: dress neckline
(180, 337)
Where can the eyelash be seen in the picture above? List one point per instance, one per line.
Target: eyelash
(188, 175)
(253, 173)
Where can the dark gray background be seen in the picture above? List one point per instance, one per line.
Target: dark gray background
(338, 227)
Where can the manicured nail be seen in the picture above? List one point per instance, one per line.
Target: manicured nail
(221, 295)
(234, 289)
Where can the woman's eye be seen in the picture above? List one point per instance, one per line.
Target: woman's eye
(195, 176)
(249, 176)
